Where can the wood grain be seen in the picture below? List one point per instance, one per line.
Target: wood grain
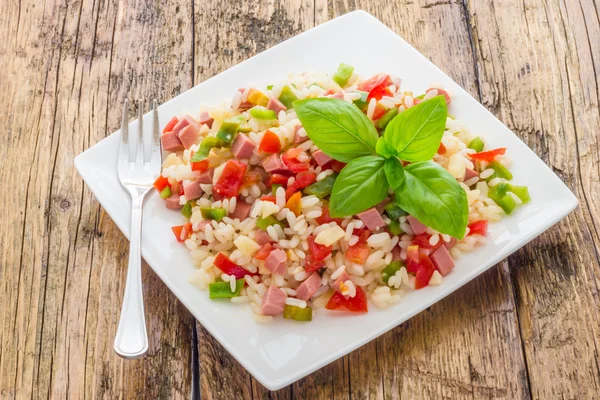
(527, 328)
(64, 261)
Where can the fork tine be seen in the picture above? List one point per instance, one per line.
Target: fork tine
(156, 158)
(140, 144)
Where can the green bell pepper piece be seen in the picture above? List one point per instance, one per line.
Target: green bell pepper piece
(216, 214)
(186, 211)
(166, 192)
(386, 118)
(269, 87)
(343, 73)
(421, 97)
(264, 223)
(274, 188)
(207, 144)
(476, 144)
(287, 97)
(394, 211)
(321, 188)
(391, 270)
(222, 290)
(501, 170)
(362, 103)
(522, 193)
(394, 228)
(228, 130)
(259, 112)
(297, 313)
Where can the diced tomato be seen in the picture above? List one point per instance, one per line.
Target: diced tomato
(272, 199)
(294, 204)
(422, 241)
(229, 267)
(337, 166)
(478, 227)
(264, 251)
(278, 179)
(412, 259)
(296, 159)
(378, 112)
(171, 124)
(251, 178)
(325, 218)
(424, 272)
(182, 232)
(269, 143)
(180, 192)
(160, 183)
(311, 265)
(358, 303)
(363, 234)
(442, 149)
(318, 251)
(231, 178)
(200, 165)
(378, 92)
(358, 253)
(374, 82)
(488, 155)
(303, 179)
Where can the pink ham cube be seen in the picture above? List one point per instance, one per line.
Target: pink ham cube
(276, 261)
(442, 260)
(273, 301)
(171, 143)
(308, 287)
(417, 227)
(372, 219)
(192, 191)
(189, 136)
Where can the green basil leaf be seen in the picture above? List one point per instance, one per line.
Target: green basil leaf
(384, 149)
(417, 132)
(338, 128)
(360, 186)
(394, 172)
(434, 197)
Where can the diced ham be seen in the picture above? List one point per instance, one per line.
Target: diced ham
(275, 105)
(416, 226)
(337, 95)
(442, 92)
(183, 122)
(469, 173)
(261, 237)
(204, 176)
(372, 219)
(192, 191)
(276, 261)
(297, 138)
(442, 260)
(273, 163)
(273, 301)
(189, 136)
(450, 244)
(192, 121)
(173, 202)
(206, 119)
(170, 142)
(341, 279)
(242, 210)
(396, 251)
(321, 158)
(242, 146)
(381, 206)
(308, 287)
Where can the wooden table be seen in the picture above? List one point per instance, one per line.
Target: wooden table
(529, 327)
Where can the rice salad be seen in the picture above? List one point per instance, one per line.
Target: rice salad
(326, 191)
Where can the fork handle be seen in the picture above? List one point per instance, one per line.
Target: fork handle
(131, 340)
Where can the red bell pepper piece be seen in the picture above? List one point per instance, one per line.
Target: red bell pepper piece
(488, 155)
(358, 303)
(160, 183)
(182, 232)
(200, 165)
(264, 251)
(231, 178)
(272, 199)
(303, 179)
(318, 251)
(278, 179)
(269, 143)
(378, 112)
(171, 124)
(229, 267)
(478, 227)
(291, 159)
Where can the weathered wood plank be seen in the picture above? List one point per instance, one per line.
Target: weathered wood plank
(539, 68)
(69, 64)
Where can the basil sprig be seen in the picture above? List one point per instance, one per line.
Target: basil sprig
(423, 188)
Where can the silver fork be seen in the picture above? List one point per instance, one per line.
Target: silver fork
(139, 164)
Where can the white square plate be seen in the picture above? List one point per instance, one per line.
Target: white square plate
(282, 352)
